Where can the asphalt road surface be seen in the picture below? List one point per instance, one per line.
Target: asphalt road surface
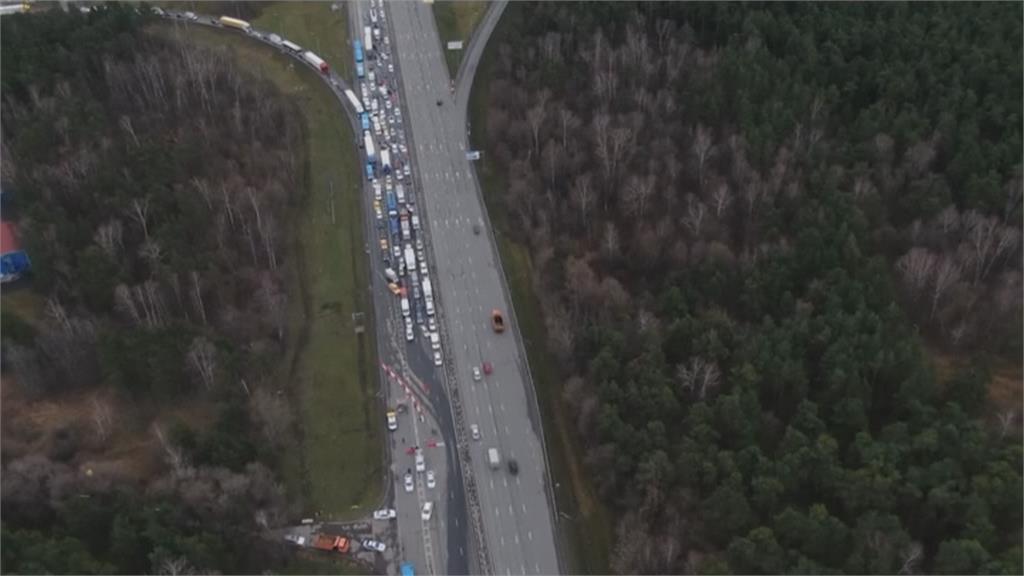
(515, 508)
(439, 545)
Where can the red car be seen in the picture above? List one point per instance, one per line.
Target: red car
(487, 368)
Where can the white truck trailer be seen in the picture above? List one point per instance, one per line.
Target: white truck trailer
(316, 61)
(371, 153)
(356, 104)
(368, 39)
(410, 257)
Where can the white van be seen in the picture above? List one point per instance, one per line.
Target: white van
(405, 306)
(435, 341)
(430, 307)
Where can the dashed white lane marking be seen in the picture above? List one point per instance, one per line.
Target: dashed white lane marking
(498, 513)
(529, 535)
(517, 542)
(524, 507)
(505, 481)
(510, 512)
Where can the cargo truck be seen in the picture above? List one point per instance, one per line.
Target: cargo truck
(330, 543)
(236, 23)
(368, 38)
(428, 290)
(371, 153)
(400, 190)
(315, 61)
(355, 102)
(385, 161)
(410, 257)
(14, 9)
(291, 46)
(493, 458)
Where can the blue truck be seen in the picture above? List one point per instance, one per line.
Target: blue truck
(392, 203)
(364, 118)
(357, 48)
(393, 224)
(359, 69)
(369, 171)
(407, 569)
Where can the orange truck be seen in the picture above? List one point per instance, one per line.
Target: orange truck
(328, 542)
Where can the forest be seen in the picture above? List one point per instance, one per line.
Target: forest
(152, 183)
(755, 230)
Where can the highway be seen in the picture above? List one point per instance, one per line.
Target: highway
(411, 384)
(517, 517)
(440, 545)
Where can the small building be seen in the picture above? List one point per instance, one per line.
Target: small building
(13, 260)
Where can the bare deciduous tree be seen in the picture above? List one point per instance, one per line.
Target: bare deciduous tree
(621, 139)
(698, 377)
(610, 241)
(151, 252)
(583, 196)
(702, 149)
(126, 125)
(947, 273)
(202, 359)
(174, 456)
(600, 126)
(175, 566)
(636, 193)
(535, 117)
(102, 417)
(1006, 420)
(911, 555)
(569, 121)
(695, 211)
(140, 212)
(124, 302)
(916, 267)
(109, 237)
(197, 297)
(722, 198)
(987, 241)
